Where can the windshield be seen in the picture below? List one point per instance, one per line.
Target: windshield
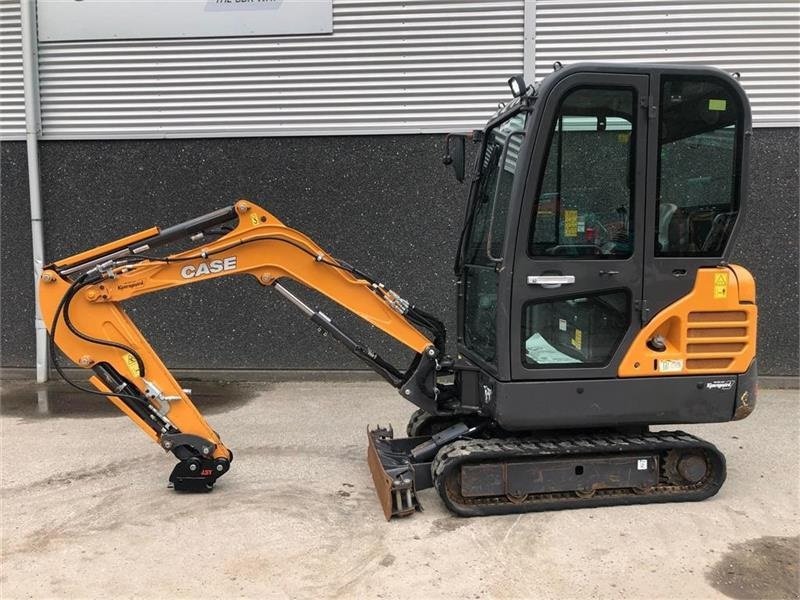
(484, 247)
(498, 167)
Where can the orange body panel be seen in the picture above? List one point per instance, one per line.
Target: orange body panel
(746, 284)
(260, 246)
(710, 330)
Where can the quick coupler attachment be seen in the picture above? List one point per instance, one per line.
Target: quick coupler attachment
(196, 470)
(198, 474)
(402, 466)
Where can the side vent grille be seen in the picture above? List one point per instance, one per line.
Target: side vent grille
(715, 338)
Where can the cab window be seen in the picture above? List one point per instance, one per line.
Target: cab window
(582, 329)
(498, 168)
(697, 176)
(584, 207)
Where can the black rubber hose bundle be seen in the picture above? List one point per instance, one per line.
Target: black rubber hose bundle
(428, 321)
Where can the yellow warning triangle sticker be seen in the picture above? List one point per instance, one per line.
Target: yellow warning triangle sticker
(132, 364)
(721, 279)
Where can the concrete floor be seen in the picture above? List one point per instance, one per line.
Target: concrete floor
(85, 512)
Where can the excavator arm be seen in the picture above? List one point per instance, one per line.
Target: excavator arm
(81, 300)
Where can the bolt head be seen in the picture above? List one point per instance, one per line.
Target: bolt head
(219, 468)
(206, 449)
(407, 392)
(242, 207)
(193, 467)
(85, 360)
(48, 277)
(167, 444)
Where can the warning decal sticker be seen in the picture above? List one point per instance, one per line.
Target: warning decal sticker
(577, 341)
(132, 364)
(721, 285)
(717, 105)
(570, 223)
(670, 365)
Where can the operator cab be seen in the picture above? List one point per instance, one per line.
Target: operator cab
(595, 198)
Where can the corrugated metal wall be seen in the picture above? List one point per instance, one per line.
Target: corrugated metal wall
(391, 66)
(12, 99)
(761, 40)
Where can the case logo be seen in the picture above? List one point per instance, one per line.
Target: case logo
(214, 266)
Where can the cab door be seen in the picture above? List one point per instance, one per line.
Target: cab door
(577, 278)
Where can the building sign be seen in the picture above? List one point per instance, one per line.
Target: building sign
(70, 20)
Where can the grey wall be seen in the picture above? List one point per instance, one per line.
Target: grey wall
(384, 203)
(768, 246)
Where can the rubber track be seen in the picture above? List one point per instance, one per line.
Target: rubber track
(446, 468)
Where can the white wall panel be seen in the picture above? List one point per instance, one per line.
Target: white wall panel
(12, 98)
(389, 66)
(760, 40)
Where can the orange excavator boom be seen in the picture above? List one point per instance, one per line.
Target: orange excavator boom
(82, 296)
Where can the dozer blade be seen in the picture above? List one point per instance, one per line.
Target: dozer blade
(396, 475)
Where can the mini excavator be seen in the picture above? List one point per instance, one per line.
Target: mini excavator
(595, 301)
